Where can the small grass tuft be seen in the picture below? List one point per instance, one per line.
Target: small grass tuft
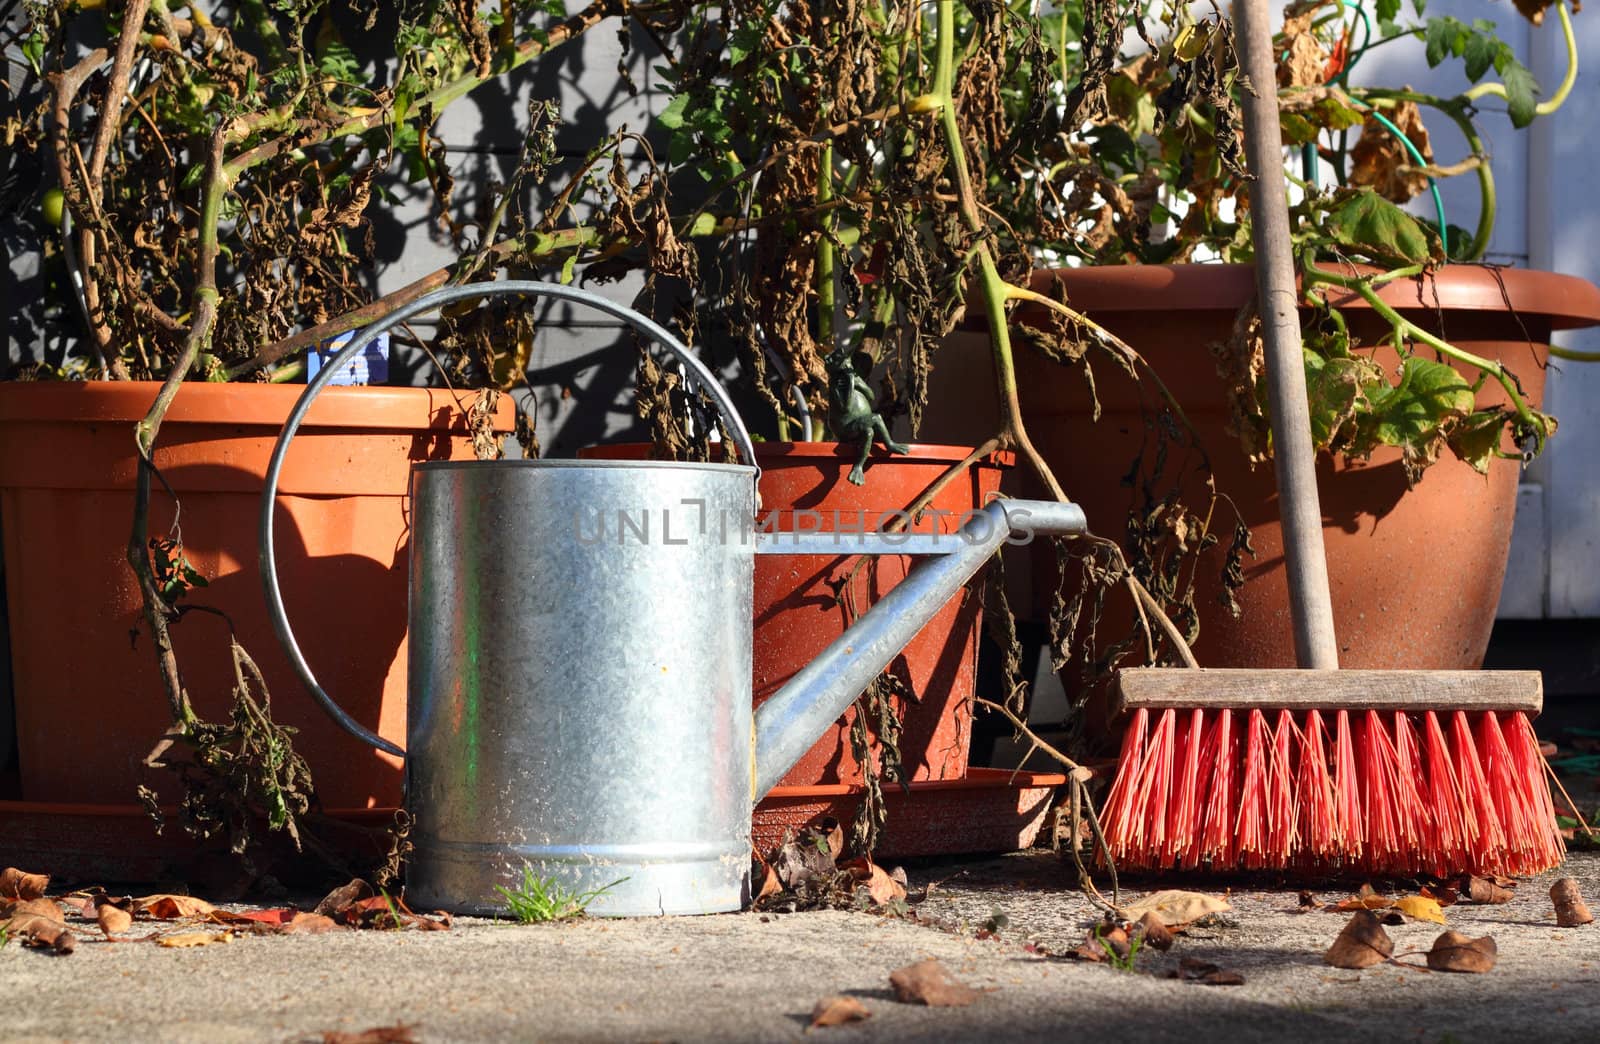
(538, 900)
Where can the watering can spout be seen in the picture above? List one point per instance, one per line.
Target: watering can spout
(790, 722)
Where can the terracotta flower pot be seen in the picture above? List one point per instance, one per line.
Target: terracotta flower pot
(796, 612)
(89, 702)
(1416, 574)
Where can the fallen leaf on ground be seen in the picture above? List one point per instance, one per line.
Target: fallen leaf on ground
(1090, 950)
(400, 1034)
(338, 900)
(113, 921)
(1420, 908)
(43, 931)
(762, 871)
(184, 940)
(15, 884)
(1571, 910)
(269, 917)
(1442, 894)
(880, 886)
(799, 863)
(46, 908)
(926, 982)
(1190, 969)
(1454, 952)
(1176, 908)
(838, 1010)
(1365, 899)
(1362, 944)
(310, 924)
(1153, 931)
(1490, 891)
(1114, 937)
(833, 830)
(171, 907)
(1308, 901)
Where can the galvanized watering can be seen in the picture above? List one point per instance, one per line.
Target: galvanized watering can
(580, 633)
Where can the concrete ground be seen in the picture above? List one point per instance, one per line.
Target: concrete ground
(757, 976)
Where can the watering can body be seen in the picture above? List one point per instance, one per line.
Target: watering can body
(579, 695)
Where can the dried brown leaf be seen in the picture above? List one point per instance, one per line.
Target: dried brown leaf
(171, 907)
(42, 930)
(337, 901)
(186, 940)
(838, 1010)
(1454, 952)
(1191, 969)
(398, 1034)
(881, 887)
(311, 924)
(1489, 891)
(926, 982)
(1571, 910)
(15, 884)
(1153, 930)
(1380, 161)
(113, 921)
(1308, 901)
(1176, 907)
(1442, 894)
(1303, 62)
(1365, 899)
(1361, 944)
(762, 871)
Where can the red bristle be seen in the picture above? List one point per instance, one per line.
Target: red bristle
(1347, 792)
(1528, 763)
(1183, 827)
(1148, 807)
(1251, 831)
(1509, 800)
(1486, 841)
(1115, 817)
(1217, 840)
(1416, 832)
(1376, 757)
(1280, 795)
(1318, 817)
(1444, 801)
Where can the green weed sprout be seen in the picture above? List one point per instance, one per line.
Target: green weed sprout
(538, 900)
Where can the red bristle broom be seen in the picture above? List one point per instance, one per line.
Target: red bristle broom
(1320, 770)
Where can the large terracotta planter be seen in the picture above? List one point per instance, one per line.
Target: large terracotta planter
(796, 613)
(1416, 574)
(89, 703)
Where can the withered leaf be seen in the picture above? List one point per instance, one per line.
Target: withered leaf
(761, 870)
(267, 917)
(926, 982)
(42, 931)
(1488, 891)
(15, 884)
(838, 1010)
(799, 863)
(1191, 969)
(881, 888)
(1381, 162)
(1361, 944)
(1454, 952)
(113, 921)
(833, 831)
(1153, 931)
(1365, 899)
(185, 940)
(1442, 894)
(1176, 907)
(338, 900)
(1571, 910)
(398, 1034)
(1308, 901)
(171, 907)
(45, 908)
(310, 924)
(1420, 908)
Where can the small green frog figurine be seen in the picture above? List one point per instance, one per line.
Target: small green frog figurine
(850, 409)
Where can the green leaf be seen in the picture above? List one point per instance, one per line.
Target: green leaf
(1333, 393)
(1479, 55)
(1521, 92)
(1440, 37)
(1429, 394)
(567, 268)
(1367, 224)
(673, 115)
(1387, 10)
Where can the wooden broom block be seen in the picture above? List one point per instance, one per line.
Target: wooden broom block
(1241, 689)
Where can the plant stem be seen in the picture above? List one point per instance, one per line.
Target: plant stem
(1552, 103)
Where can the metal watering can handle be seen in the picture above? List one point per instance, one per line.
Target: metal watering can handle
(427, 303)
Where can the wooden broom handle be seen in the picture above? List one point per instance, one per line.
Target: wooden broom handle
(1311, 609)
